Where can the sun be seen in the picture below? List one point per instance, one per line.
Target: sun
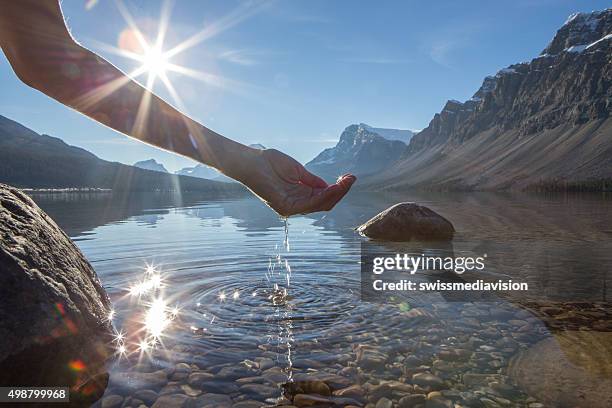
(154, 61)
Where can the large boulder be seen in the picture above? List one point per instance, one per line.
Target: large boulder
(405, 222)
(54, 327)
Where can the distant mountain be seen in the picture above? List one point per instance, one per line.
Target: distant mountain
(361, 150)
(543, 124)
(210, 173)
(200, 171)
(151, 164)
(30, 160)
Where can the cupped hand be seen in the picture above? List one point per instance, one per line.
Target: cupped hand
(288, 188)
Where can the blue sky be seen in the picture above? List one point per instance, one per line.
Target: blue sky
(296, 73)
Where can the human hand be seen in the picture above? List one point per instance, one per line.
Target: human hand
(288, 188)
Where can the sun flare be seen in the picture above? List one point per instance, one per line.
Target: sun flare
(154, 61)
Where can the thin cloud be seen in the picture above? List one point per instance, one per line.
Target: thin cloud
(240, 57)
(440, 51)
(447, 43)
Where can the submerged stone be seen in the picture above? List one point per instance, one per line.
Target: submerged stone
(406, 222)
(570, 369)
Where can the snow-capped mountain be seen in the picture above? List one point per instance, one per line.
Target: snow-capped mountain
(151, 164)
(210, 173)
(361, 150)
(542, 124)
(580, 32)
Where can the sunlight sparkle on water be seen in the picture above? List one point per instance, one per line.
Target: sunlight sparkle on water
(143, 345)
(156, 319)
(119, 337)
(175, 311)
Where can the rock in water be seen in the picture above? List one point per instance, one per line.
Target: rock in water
(54, 329)
(407, 221)
(571, 369)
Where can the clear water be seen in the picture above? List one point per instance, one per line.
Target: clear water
(246, 312)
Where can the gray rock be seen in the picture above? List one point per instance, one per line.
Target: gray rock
(384, 403)
(219, 387)
(570, 369)
(190, 391)
(307, 387)
(111, 401)
(171, 401)
(196, 379)
(50, 299)
(213, 401)
(412, 400)
(354, 391)
(147, 396)
(260, 391)
(248, 404)
(303, 400)
(428, 380)
(265, 363)
(233, 373)
(407, 221)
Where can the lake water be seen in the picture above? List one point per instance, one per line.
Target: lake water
(216, 309)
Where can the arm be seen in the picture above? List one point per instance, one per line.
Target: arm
(44, 55)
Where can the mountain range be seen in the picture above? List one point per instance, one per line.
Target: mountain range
(31, 160)
(537, 125)
(204, 171)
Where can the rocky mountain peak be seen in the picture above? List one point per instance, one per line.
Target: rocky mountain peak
(360, 150)
(151, 164)
(568, 83)
(580, 30)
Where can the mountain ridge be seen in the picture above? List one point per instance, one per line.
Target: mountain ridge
(32, 160)
(533, 123)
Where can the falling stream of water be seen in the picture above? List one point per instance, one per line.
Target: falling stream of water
(280, 297)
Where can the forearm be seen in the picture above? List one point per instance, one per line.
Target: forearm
(94, 87)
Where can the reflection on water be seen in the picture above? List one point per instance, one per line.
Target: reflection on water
(228, 313)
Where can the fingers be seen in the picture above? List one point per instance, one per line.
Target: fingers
(311, 180)
(326, 199)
